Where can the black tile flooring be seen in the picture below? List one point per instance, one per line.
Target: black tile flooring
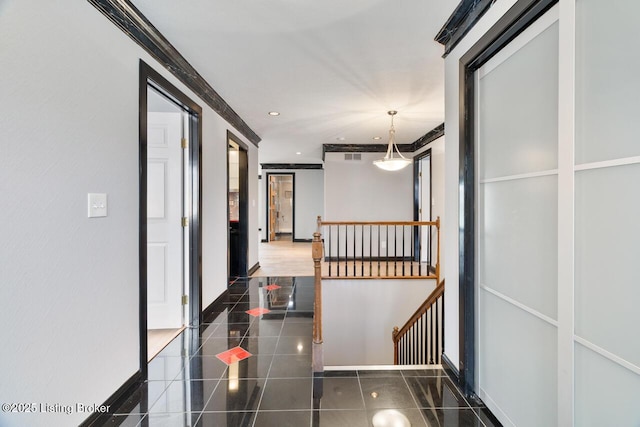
(189, 386)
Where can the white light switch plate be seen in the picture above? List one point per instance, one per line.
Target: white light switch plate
(97, 205)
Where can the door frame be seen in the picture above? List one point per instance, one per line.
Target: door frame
(243, 201)
(148, 75)
(514, 22)
(416, 198)
(293, 203)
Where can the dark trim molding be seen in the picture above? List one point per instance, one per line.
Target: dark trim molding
(237, 260)
(425, 139)
(302, 240)
(253, 269)
(428, 138)
(293, 207)
(509, 26)
(461, 21)
(416, 200)
(264, 240)
(115, 401)
(134, 24)
(361, 148)
(450, 369)
(150, 77)
(211, 308)
(270, 166)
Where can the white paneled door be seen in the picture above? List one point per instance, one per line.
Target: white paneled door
(164, 220)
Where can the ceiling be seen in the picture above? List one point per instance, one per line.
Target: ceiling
(332, 69)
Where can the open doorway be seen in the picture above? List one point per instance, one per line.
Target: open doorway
(238, 188)
(423, 241)
(280, 207)
(170, 274)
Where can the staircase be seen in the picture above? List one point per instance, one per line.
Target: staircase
(384, 254)
(420, 341)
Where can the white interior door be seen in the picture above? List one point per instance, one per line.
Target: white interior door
(164, 220)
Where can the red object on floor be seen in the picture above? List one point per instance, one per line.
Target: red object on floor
(272, 287)
(255, 312)
(233, 355)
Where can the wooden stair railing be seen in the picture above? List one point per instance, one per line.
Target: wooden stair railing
(420, 341)
(380, 249)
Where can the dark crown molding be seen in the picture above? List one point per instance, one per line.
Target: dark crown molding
(460, 22)
(425, 139)
(291, 166)
(134, 24)
(428, 138)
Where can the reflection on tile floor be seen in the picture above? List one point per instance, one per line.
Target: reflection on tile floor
(191, 384)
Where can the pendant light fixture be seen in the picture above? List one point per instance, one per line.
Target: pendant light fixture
(389, 162)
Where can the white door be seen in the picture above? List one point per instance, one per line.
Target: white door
(425, 207)
(164, 220)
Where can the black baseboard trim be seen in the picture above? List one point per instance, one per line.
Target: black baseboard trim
(114, 401)
(485, 411)
(454, 375)
(302, 240)
(449, 368)
(264, 241)
(253, 269)
(211, 308)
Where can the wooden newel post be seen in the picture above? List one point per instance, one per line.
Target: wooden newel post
(438, 253)
(316, 253)
(394, 334)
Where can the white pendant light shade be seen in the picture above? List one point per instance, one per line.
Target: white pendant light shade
(390, 162)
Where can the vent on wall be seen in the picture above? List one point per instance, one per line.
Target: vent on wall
(352, 156)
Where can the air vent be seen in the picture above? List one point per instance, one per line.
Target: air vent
(353, 156)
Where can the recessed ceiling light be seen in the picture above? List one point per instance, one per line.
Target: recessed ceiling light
(341, 138)
(377, 138)
(298, 153)
(274, 113)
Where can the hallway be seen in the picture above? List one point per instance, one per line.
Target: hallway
(267, 380)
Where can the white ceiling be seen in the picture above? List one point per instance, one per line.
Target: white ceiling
(331, 68)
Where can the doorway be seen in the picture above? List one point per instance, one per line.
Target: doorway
(280, 209)
(423, 241)
(170, 238)
(237, 208)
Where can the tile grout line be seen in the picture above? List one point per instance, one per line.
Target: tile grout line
(414, 398)
(266, 380)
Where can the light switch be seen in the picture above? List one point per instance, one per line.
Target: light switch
(97, 205)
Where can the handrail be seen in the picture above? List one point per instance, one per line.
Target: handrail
(435, 223)
(427, 305)
(380, 249)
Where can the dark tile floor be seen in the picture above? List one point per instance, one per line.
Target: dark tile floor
(189, 385)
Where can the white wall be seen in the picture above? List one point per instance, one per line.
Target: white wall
(309, 200)
(359, 191)
(366, 331)
(69, 284)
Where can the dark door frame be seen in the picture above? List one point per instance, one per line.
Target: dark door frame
(148, 76)
(416, 199)
(513, 22)
(293, 207)
(243, 208)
